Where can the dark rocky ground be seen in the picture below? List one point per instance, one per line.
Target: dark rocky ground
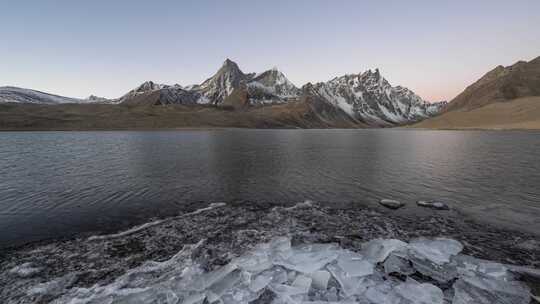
(232, 229)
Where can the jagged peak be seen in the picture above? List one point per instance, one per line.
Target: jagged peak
(229, 67)
(148, 85)
(229, 64)
(376, 73)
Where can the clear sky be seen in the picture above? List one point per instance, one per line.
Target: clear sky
(436, 48)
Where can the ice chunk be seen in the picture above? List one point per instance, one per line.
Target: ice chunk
(354, 264)
(437, 250)
(468, 265)
(303, 282)
(260, 282)
(152, 295)
(194, 298)
(283, 290)
(377, 250)
(208, 279)
(261, 258)
(255, 262)
(442, 273)
(416, 293)
(219, 287)
(320, 279)
(239, 295)
(397, 264)
(481, 289)
(308, 259)
(382, 294)
(349, 285)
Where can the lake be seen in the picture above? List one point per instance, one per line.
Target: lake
(60, 184)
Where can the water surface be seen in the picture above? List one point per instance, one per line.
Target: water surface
(57, 184)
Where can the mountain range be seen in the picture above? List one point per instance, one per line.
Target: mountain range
(365, 98)
(504, 98)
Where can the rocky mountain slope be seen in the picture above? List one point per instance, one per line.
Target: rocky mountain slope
(521, 79)
(504, 98)
(518, 114)
(370, 98)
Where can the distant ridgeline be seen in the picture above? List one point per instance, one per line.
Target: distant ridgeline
(365, 99)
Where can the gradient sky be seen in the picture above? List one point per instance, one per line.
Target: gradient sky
(436, 48)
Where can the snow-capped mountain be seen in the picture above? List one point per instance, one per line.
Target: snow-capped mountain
(216, 88)
(269, 87)
(21, 95)
(150, 92)
(365, 97)
(370, 98)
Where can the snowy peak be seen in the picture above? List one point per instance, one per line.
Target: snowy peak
(216, 88)
(370, 98)
(149, 86)
(272, 86)
(366, 97)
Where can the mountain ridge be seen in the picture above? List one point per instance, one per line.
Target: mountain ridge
(366, 98)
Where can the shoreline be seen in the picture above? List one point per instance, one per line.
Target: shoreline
(229, 230)
(411, 212)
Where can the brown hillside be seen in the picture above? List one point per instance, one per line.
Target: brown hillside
(500, 84)
(299, 114)
(521, 113)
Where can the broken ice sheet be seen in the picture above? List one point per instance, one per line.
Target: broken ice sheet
(320, 279)
(377, 250)
(483, 289)
(354, 264)
(467, 265)
(441, 273)
(309, 258)
(283, 290)
(417, 293)
(397, 264)
(437, 250)
(208, 279)
(382, 294)
(349, 285)
(219, 287)
(317, 273)
(260, 282)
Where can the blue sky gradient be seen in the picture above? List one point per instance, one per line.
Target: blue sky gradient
(436, 48)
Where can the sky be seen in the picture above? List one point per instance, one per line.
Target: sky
(106, 48)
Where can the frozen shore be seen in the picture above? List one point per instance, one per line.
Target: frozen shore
(211, 239)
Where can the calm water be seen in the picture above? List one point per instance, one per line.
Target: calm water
(56, 184)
